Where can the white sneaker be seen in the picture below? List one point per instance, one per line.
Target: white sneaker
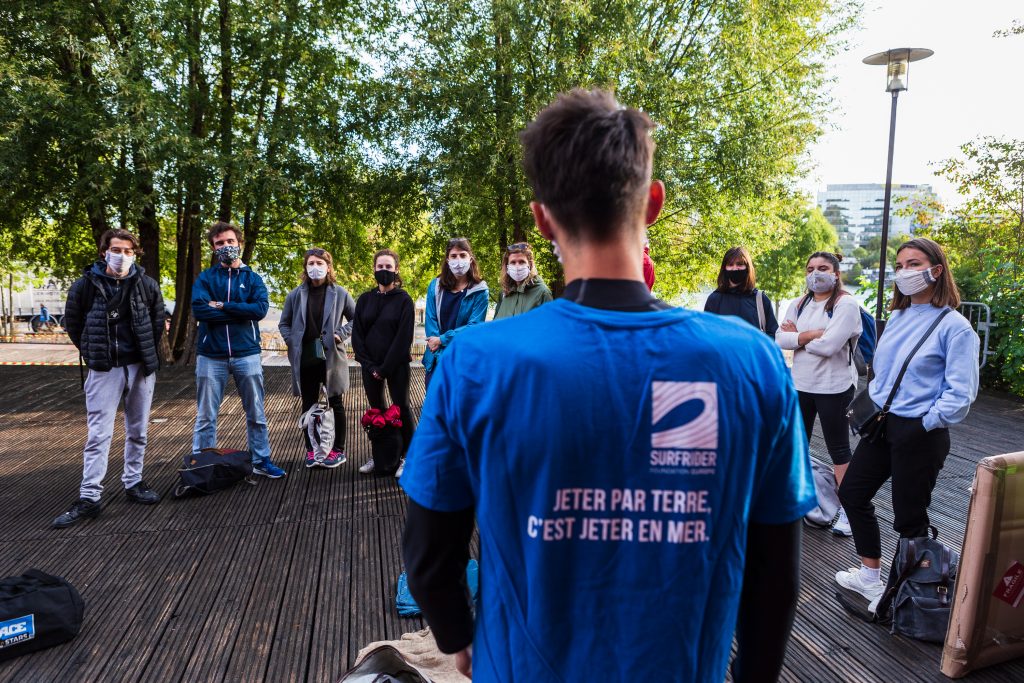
(401, 468)
(841, 527)
(366, 467)
(853, 579)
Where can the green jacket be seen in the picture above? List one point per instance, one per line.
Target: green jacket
(523, 298)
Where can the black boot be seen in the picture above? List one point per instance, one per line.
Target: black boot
(80, 509)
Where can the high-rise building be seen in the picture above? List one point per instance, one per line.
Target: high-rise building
(855, 210)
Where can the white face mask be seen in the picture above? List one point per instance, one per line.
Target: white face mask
(459, 267)
(556, 250)
(119, 263)
(910, 282)
(518, 273)
(820, 282)
(316, 272)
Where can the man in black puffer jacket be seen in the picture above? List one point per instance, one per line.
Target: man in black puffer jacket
(115, 316)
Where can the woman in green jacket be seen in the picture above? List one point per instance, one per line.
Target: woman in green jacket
(522, 289)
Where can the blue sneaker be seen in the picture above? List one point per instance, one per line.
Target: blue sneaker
(265, 468)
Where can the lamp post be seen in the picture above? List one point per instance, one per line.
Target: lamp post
(897, 67)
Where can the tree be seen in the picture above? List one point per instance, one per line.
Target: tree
(781, 271)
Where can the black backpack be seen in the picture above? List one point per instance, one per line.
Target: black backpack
(918, 597)
(37, 611)
(212, 469)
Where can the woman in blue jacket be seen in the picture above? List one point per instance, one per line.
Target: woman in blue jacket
(456, 299)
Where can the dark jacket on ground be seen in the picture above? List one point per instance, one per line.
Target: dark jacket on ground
(234, 331)
(743, 305)
(383, 330)
(109, 334)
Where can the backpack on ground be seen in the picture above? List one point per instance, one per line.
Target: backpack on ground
(863, 351)
(37, 611)
(918, 598)
(384, 664)
(212, 469)
(828, 500)
(318, 424)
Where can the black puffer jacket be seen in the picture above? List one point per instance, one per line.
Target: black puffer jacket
(90, 330)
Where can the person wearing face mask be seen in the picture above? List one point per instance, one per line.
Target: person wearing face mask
(940, 383)
(229, 299)
(456, 299)
(315, 322)
(381, 338)
(737, 293)
(522, 289)
(115, 316)
(821, 328)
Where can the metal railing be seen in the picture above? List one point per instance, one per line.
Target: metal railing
(980, 317)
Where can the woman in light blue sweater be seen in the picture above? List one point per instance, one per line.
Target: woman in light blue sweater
(937, 390)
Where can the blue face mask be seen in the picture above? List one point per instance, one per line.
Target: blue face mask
(227, 254)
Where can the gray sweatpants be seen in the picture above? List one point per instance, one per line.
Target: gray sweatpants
(103, 392)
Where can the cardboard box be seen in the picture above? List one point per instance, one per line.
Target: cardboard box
(987, 623)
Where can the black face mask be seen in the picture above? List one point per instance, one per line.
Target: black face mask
(737, 277)
(385, 278)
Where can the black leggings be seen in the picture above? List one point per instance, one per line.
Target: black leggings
(311, 376)
(398, 388)
(913, 458)
(831, 408)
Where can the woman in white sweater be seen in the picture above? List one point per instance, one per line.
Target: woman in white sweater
(821, 328)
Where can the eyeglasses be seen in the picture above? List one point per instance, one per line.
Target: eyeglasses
(518, 246)
(119, 250)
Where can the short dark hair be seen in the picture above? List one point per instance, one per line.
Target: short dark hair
(589, 161)
(737, 254)
(119, 234)
(223, 226)
(946, 292)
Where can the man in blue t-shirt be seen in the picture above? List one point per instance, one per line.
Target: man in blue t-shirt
(637, 473)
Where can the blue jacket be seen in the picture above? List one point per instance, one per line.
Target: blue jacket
(472, 311)
(234, 331)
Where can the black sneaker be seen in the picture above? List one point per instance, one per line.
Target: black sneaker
(141, 493)
(81, 508)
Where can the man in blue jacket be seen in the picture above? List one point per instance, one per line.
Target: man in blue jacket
(637, 473)
(229, 300)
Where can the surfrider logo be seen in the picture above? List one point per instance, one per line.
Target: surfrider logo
(18, 630)
(700, 432)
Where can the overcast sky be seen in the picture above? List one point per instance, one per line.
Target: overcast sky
(973, 85)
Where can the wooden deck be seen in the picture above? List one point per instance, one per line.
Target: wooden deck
(288, 579)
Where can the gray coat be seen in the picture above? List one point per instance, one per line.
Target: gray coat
(338, 303)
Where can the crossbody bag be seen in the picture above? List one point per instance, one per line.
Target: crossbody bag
(864, 415)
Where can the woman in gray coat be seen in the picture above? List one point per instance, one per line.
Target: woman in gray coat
(313, 329)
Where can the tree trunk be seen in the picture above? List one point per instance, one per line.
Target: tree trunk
(148, 225)
(227, 112)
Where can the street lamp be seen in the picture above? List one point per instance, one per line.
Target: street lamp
(897, 67)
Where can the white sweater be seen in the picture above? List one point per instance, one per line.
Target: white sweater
(824, 365)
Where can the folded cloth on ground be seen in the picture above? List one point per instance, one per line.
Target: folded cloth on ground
(420, 651)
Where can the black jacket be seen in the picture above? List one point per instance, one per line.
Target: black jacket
(96, 335)
(383, 330)
(744, 305)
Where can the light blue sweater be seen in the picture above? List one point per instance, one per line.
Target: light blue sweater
(942, 380)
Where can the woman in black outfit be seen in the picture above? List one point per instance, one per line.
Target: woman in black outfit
(737, 293)
(381, 338)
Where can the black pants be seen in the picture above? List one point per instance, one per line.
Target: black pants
(311, 376)
(913, 458)
(398, 388)
(831, 408)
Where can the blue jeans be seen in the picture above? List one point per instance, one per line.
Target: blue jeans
(211, 378)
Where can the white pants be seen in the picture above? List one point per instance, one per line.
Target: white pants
(103, 391)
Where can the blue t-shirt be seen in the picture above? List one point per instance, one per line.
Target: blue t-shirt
(451, 302)
(614, 461)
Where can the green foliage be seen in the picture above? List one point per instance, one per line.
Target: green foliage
(984, 239)
(781, 271)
